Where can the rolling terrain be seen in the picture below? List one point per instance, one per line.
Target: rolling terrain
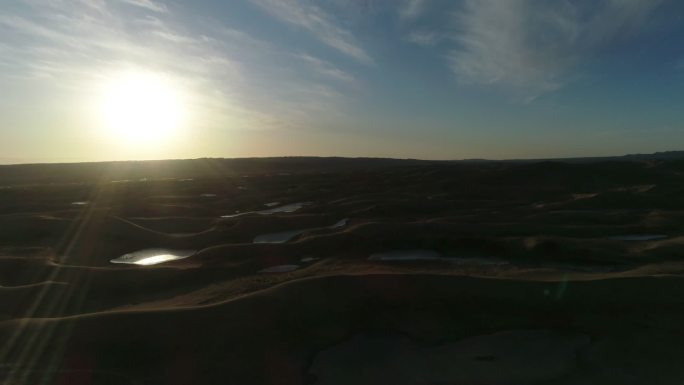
(341, 271)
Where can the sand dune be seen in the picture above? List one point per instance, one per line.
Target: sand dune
(258, 332)
(528, 267)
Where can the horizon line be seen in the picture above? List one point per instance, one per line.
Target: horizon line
(351, 157)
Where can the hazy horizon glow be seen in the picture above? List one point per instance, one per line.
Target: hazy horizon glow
(90, 80)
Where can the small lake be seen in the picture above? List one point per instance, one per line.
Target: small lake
(279, 269)
(148, 257)
(432, 255)
(284, 236)
(339, 224)
(284, 209)
(279, 237)
(639, 237)
(406, 255)
(289, 208)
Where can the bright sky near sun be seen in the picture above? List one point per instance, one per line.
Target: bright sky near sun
(86, 80)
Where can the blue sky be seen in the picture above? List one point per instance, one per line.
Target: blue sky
(414, 78)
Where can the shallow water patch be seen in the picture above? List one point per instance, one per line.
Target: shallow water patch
(638, 237)
(406, 255)
(279, 269)
(432, 255)
(279, 237)
(284, 209)
(339, 224)
(237, 214)
(284, 236)
(482, 261)
(289, 208)
(147, 257)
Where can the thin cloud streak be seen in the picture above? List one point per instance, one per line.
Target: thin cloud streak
(411, 9)
(530, 46)
(329, 70)
(148, 4)
(424, 38)
(321, 25)
(77, 45)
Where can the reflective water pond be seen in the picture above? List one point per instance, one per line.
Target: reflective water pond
(284, 236)
(279, 269)
(289, 208)
(147, 257)
(406, 255)
(285, 209)
(639, 237)
(279, 237)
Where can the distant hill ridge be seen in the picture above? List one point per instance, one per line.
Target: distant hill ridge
(223, 167)
(664, 155)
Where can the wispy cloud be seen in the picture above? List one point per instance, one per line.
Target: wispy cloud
(411, 9)
(321, 25)
(530, 45)
(424, 38)
(228, 72)
(329, 70)
(148, 4)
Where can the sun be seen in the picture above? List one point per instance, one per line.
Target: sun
(141, 107)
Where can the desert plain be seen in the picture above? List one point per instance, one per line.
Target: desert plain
(343, 271)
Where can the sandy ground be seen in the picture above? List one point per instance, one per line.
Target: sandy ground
(544, 273)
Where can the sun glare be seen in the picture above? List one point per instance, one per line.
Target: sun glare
(141, 107)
